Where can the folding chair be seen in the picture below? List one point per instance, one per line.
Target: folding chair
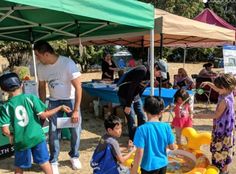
(194, 77)
(207, 93)
(169, 109)
(207, 89)
(171, 116)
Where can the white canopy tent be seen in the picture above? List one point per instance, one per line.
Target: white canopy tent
(170, 30)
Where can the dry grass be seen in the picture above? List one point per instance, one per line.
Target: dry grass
(93, 129)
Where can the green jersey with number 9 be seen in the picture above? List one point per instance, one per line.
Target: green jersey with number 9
(21, 113)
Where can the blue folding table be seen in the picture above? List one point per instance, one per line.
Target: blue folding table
(106, 92)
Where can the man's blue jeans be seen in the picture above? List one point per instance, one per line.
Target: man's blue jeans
(55, 134)
(136, 109)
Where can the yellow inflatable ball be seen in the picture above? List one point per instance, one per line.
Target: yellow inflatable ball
(139, 170)
(128, 162)
(212, 170)
(132, 156)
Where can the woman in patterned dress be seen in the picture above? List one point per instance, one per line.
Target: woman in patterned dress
(223, 122)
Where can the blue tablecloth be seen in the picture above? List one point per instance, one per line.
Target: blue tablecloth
(166, 94)
(104, 92)
(109, 92)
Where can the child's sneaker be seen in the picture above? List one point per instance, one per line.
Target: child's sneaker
(76, 164)
(55, 168)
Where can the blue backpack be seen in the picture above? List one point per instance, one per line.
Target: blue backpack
(103, 162)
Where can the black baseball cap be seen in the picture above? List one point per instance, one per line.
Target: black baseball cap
(9, 82)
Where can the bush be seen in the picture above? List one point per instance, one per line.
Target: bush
(22, 71)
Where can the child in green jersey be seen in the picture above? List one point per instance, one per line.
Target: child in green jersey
(22, 113)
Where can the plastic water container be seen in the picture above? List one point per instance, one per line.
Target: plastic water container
(96, 107)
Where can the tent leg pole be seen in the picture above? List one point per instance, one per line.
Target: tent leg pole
(34, 60)
(161, 46)
(185, 53)
(161, 54)
(142, 51)
(152, 61)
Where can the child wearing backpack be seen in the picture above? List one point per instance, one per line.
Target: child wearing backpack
(107, 157)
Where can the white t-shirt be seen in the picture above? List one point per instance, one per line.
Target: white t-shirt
(58, 77)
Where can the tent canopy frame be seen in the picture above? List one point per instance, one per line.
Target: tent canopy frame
(31, 24)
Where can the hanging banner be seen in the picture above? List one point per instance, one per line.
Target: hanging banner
(6, 149)
(229, 54)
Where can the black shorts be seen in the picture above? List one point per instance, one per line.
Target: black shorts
(158, 171)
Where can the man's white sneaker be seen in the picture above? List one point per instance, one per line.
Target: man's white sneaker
(55, 168)
(76, 164)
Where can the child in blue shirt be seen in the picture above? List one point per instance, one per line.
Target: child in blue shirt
(151, 140)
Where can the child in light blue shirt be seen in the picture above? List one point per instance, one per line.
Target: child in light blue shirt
(151, 140)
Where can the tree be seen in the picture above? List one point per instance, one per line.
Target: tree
(91, 54)
(225, 9)
(184, 8)
(190, 9)
(17, 53)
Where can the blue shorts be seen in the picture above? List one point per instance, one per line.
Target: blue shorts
(39, 152)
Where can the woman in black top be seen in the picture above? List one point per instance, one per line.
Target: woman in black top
(108, 68)
(207, 71)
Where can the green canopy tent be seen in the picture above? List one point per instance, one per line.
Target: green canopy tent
(56, 19)
(32, 20)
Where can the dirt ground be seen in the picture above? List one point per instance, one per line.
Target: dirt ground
(93, 129)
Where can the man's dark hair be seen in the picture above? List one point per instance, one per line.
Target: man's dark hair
(153, 105)
(206, 65)
(43, 47)
(156, 66)
(105, 53)
(111, 122)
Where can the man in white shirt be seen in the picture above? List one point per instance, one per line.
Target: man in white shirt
(63, 79)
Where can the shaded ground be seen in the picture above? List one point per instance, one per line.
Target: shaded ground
(93, 129)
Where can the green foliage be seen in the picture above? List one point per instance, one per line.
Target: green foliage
(190, 9)
(184, 8)
(225, 10)
(17, 53)
(91, 54)
(20, 53)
